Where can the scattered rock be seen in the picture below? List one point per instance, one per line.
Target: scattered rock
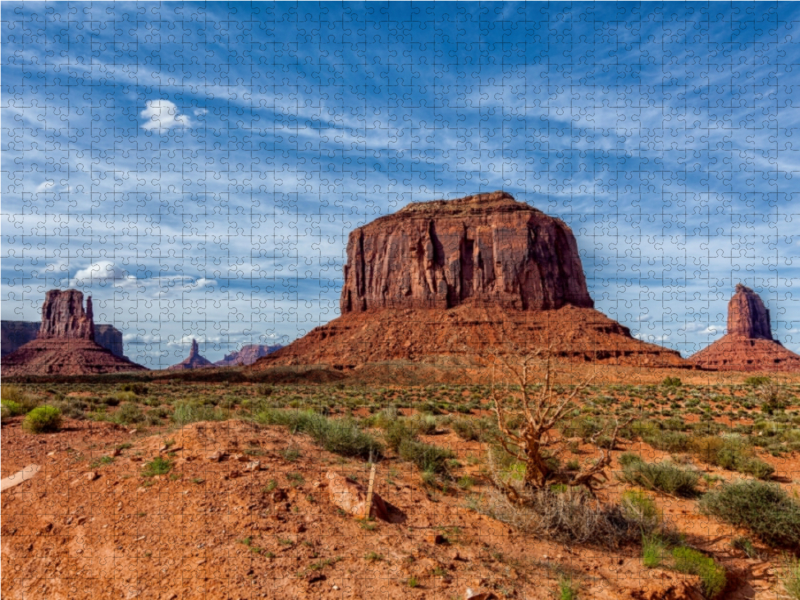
(351, 497)
(92, 475)
(253, 466)
(216, 456)
(435, 538)
(470, 595)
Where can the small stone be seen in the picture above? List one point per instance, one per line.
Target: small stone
(470, 595)
(435, 538)
(253, 466)
(216, 456)
(92, 475)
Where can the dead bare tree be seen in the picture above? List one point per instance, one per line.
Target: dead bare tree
(542, 409)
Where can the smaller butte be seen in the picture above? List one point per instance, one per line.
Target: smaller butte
(66, 342)
(193, 361)
(748, 344)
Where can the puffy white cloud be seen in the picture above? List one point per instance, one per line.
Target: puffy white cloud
(163, 115)
(199, 112)
(102, 272)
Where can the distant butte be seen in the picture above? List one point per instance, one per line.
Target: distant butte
(66, 343)
(462, 276)
(193, 361)
(748, 344)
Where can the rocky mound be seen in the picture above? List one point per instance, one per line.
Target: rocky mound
(65, 344)
(748, 344)
(247, 355)
(18, 333)
(462, 277)
(193, 361)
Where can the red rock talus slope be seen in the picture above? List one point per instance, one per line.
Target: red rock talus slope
(65, 344)
(462, 277)
(486, 249)
(582, 334)
(748, 345)
(193, 361)
(247, 355)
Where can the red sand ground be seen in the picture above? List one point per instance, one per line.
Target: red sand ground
(116, 535)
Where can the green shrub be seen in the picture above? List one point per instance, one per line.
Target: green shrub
(427, 457)
(138, 389)
(693, 562)
(467, 429)
(672, 382)
(653, 551)
(745, 545)
(14, 395)
(789, 576)
(128, 414)
(733, 453)
(186, 412)
(264, 391)
(662, 476)
(397, 431)
(640, 509)
(341, 436)
(157, 466)
(757, 380)
(43, 419)
(764, 508)
(10, 408)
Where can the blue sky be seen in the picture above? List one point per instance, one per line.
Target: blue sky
(197, 167)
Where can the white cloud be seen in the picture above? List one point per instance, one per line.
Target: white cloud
(102, 272)
(48, 185)
(163, 115)
(199, 112)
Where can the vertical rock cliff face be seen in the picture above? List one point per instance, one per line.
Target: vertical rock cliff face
(748, 345)
(486, 249)
(63, 316)
(747, 315)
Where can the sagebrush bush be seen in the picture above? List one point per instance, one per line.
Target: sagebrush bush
(662, 476)
(341, 436)
(733, 453)
(427, 457)
(712, 575)
(128, 414)
(763, 508)
(570, 516)
(397, 431)
(43, 419)
(17, 399)
(186, 412)
(789, 576)
(468, 429)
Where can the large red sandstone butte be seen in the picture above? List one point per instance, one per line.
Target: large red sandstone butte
(65, 344)
(748, 344)
(463, 277)
(193, 361)
(487, 249)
